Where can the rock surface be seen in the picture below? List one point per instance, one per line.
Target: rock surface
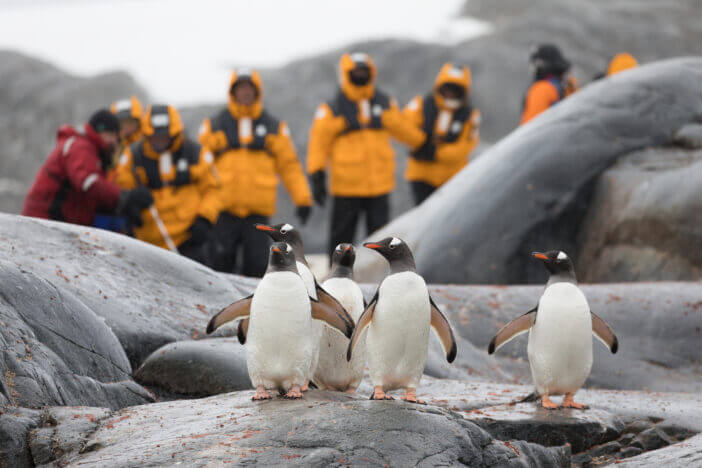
(146, 295)
(56, 351)
(642, 224)
(324, 429)
(531, 190)
(469, 423)
(197, 368)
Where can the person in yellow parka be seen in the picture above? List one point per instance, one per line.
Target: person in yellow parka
(129, 113)
(180, 175)
(552, 82)
(252, 150)
(621, 62)
(450, 124)
(351, 135)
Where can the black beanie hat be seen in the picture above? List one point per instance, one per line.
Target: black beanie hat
(104, 121)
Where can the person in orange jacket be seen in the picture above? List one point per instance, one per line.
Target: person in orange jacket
(180, 176)
(552, 82)
(350, 135)
(129, 112)
(450, 123)
(252, 150)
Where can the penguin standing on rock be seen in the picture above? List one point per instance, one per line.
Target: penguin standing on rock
(287, 233)
(333, 371)
(279, 346)
(398, 319)
(560, 334)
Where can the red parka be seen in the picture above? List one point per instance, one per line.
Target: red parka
(71, 185)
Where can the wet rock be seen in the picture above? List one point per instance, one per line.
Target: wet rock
(148, 296)
(15, 424)
(689, 136)
(197, 368)
(530, 422)
(324, 428)
(653, 439)
(544, 173)
(56, 351)
(686, 453)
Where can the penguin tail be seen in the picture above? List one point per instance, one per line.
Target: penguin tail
(530, 398)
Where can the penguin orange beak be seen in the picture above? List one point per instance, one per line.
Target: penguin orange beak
(264, 227)
(539, 255)
(348, 248)
(372, 245)
(276, 249)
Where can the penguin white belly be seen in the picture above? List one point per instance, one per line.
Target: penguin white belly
(279, 346)
(560, 342)
(398, 335)
(316, 326)
(333, 371)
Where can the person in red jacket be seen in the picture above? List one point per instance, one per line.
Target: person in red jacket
(71, 185)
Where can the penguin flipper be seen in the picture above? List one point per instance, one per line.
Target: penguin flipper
(443, 330)
(242, 330)
(363, 321)
(604, 333)
(238, 309)
(330, 301)
(323, 312)
(513, 329)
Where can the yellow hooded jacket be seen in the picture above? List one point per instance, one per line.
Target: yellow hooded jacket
(351, 134)
(181, 180)
(252, 149)
(621, 62)
(454, 131)
(129, 108)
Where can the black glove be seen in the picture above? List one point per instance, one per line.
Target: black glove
(303, 213)
(133, 202)
(200, 230)
(319, 187)
(426, 152)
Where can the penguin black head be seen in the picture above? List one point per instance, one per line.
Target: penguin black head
(558, 263)
(284, 233)
(343, 257)
(282, 258)
(396, 252)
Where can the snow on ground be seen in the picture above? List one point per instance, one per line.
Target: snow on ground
(182, 51)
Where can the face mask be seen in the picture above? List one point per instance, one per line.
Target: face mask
(452, 103)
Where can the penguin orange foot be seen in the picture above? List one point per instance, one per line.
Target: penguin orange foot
(305, 387)
(568, 402)
(379, 394)
(261, 394)
(547, 403)
(411, 397)
(294, 393)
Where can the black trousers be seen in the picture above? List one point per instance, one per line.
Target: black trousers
(198, 252)
(346, 212)
(232, 233)
(421, 191)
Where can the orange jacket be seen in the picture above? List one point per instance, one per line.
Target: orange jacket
(351, 135)
(181, 180)
(252, 150)
(453, 130)
(545, 93)
(621, 62)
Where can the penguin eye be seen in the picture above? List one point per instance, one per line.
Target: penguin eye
(392, 247)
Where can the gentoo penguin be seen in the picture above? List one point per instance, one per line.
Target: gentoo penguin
(279, 346)
(398, 319)
(287, 233)
(333, 371)
(560, 334)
